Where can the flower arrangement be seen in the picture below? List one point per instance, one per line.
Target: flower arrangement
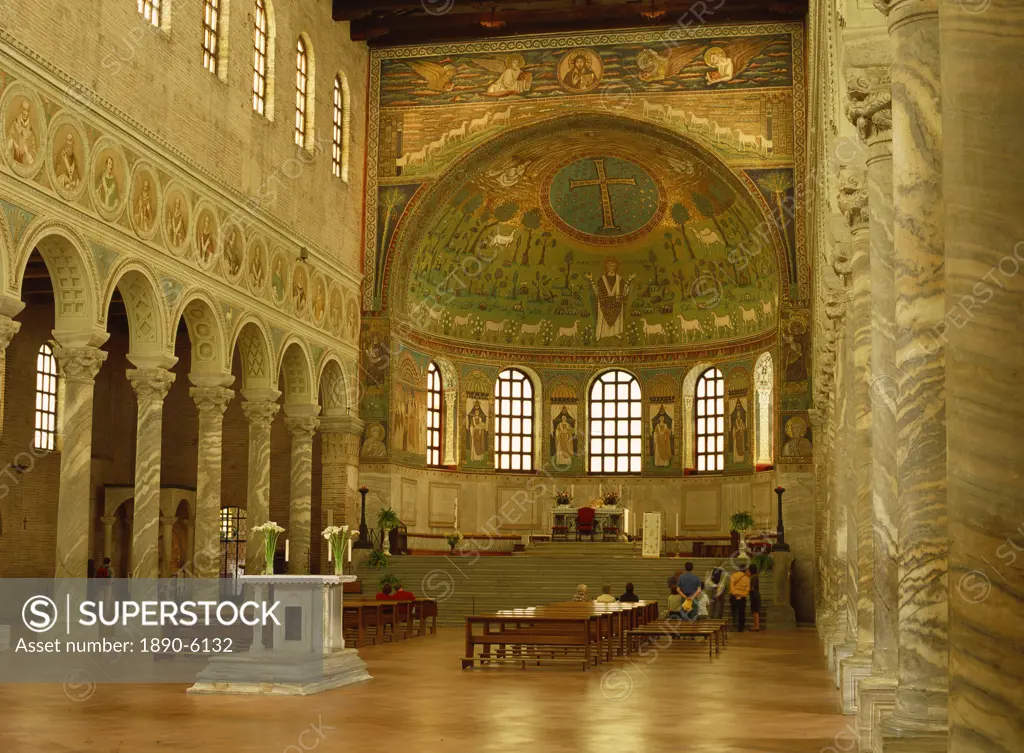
(388, 519)
(611, 498)
(453, 540)
(338, 538)
(377, 560)
(270, 531)
(563, 498)
(741, 521)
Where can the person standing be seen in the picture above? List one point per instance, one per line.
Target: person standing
(739, 590)
(690, 589)
(755, 598)
(103, 571)
(716, 584)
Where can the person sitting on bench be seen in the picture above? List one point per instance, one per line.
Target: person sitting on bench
(384, 594)
(581, 593)
(402, 595)
(629, 596)
(606, 596)
(675, 604)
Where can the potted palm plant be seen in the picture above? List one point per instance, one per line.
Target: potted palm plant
(741, 522)
(386, 520)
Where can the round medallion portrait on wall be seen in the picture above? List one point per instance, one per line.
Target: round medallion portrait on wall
(144, 200)
(177, 215)
(232, 251)
(24, 130)
(206, 238)
(351, 319)
(68, 157)
(318, 301)
(256, 272)
(335, 312)
(580, 71)
(279, 278)
(300, 288)
(109, 182)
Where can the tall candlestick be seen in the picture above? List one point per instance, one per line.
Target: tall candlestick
(677, 524)
(350, 551)
(620, 492)
(572, 490)
(286, 550)
(330, 552)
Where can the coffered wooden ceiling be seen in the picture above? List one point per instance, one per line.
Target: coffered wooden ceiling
(394, 22)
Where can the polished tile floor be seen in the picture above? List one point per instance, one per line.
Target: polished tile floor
(768, 693)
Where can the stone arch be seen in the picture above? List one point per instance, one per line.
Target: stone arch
(71, 272)
(334, 387)
(254, 350)
(204, 331)
(142, 300)
(295, 367)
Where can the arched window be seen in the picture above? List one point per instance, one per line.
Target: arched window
(301, 91)
(232, 538)
(710, 412)
(764, 382)
(513, 426)
(260, 58)
(435, 409)
(45, 437)
(615, 430)
(150, 10)
(342, 118)
(211, 35)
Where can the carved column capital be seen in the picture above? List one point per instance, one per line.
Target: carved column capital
(853, 198)
(301, 427)
(150, 384)
(8, 329)
(835, 309)
(211, 401)
(108, 520)
(80, 364)
(869, 105)
(260, 413)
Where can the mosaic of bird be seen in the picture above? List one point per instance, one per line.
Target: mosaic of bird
(438, 78)
(727, 60)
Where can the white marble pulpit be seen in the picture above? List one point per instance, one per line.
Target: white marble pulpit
(306, 652)
(652, 534)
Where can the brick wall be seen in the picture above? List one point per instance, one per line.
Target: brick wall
(156, 77)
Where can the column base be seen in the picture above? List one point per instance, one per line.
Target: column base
(876, 699)
(853, 670)
(234, 674)
(840, 650)
(899, 736)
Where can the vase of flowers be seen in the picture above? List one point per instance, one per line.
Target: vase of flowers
(337, 539)
(741, 522)
(386, 520)
(563, 498)
(453, 540)
(270, 531)
(611, 498)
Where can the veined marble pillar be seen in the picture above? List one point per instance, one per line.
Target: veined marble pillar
(78, 366)
(983, 186)
(203, 558)
(852, 201)
(151, 386)
(919, 720)
(8, 329)
(260, 411)
(301, 427)
(167, 536)
(870, 109)
(339, 469)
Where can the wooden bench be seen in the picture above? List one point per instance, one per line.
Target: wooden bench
(375, 620)
(712, 632)
(564, 632)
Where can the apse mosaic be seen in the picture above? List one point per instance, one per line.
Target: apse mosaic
(735, 91)
(544, 241)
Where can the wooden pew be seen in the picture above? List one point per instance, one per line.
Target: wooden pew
(375, 620)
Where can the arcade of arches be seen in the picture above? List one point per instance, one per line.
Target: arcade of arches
(249, 265)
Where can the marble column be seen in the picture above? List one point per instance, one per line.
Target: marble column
(8, 329)
(260, 409)
(870, 110)
(108, 522)
(78, 367)
(983, 186)
(301, 425)
(167, 537)
(151, 386)
(852, 202)
(339, 469)
(919, 719)
(203, 558)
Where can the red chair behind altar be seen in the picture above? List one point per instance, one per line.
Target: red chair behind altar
(585, 522)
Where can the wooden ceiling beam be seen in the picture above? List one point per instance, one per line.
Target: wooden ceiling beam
(421, 28)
